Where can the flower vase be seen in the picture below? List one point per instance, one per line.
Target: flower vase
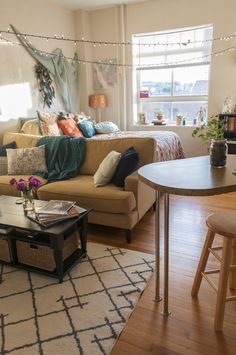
(28, 200)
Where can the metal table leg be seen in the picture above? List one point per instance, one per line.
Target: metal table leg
(166, 312)
(157, 298)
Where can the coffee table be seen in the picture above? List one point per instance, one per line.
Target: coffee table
(186, 177)
(52, 240)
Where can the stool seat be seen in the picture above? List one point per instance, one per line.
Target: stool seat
(222, 223)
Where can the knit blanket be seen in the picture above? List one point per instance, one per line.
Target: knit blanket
(64, 156)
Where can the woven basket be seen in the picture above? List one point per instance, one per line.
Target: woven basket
(5, 250)
(41, 256)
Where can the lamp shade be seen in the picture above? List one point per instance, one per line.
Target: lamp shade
(98, 101)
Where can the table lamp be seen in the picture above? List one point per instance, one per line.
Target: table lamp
(98, 101)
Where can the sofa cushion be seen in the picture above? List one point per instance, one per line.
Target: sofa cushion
(7, 189)
(48, 124)
(108, 198)
(106, 127)
(127, 165)
(3, 165)
(87, 128)
(31, 127)
(69, 127)
(107, 169)
(26, 160)
(4, 147)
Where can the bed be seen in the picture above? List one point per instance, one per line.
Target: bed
(168, 147)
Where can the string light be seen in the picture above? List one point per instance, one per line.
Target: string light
(106, 43)
(120, 65)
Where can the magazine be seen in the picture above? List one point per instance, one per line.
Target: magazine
(56, 207)
(47, 220)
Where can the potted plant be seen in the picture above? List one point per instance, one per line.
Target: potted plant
(212, 132)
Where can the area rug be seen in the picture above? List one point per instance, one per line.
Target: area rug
(83, 315)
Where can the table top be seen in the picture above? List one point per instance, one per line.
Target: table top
(12, 215)
(190, 177)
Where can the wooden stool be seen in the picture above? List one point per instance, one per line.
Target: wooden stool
(225, 225)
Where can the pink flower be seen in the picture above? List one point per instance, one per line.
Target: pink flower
(24, 185)
(13, 181)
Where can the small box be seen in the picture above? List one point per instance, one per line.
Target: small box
(5, 249)
(41, 256)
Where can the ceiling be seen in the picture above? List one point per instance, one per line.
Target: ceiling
(91, 4)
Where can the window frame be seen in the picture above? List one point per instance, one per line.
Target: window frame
(206, 50)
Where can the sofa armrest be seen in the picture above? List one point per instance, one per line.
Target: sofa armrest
(145, 196)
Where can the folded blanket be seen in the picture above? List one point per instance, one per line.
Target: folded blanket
(64, 156)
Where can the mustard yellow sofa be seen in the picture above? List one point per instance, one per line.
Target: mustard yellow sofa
(112, 206)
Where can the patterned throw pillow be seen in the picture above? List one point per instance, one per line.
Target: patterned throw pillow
(87, 128)
(69, 127)
(107, 169)
(48, 124)
(4, 147)
(106, 127)
(26, 161)
(127, 165)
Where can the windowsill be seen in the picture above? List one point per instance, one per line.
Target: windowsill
(164, 125)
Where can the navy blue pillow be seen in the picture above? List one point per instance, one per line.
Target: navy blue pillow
(127, 165)
(87, 128)
(3, 148)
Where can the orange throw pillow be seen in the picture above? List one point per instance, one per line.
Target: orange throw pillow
(69, 127)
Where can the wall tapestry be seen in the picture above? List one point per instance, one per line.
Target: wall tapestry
(65, 73)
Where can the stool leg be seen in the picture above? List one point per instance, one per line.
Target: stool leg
(202, 263)
(232, 274)
(223, 283)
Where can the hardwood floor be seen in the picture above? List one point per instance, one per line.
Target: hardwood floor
(189, 329)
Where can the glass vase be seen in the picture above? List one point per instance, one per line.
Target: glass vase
(28, 200)
(218, 153)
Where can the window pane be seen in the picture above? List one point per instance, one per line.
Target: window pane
(189, 109)
(191, 80)
(158, 81)
(151, 108)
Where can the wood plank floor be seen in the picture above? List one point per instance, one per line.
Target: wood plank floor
(189, 329)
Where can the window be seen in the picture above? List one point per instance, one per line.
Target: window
(172, 73)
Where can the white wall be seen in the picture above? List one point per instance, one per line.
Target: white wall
(17, 66)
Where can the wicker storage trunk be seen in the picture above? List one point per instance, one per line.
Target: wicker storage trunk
(41, 256)
(5, 249)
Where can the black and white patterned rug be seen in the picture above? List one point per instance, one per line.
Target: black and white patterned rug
(83, 315)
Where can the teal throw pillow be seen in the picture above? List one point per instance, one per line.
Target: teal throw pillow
(87, 128)
(3, 152)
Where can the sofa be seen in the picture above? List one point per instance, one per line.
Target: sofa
(112, 206)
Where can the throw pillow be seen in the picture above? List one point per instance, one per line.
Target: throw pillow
(26, 161)
(69, 127)
(107, 169)
(106, 127)
(3, 165)
(87, 128)
(48, 124)
(127, 165)
(31, 127)
(3, 148)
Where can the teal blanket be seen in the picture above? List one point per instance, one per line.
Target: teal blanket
(64, 156)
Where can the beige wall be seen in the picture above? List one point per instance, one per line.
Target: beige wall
(116, 24)
(158, 15)
(16, 65)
